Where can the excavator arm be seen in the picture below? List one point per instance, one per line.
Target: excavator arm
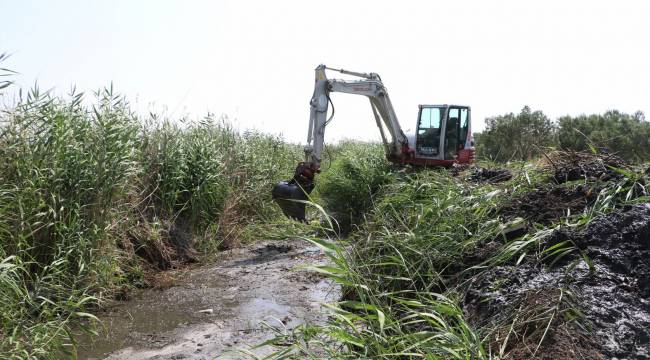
(370, 86)
(291, 195)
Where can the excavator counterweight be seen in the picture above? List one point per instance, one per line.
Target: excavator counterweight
(442, 137)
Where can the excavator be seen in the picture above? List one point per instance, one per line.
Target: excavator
(442, 137)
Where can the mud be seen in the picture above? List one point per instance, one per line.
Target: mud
(548, 204)
(570, 166)
(212, 311)
(604, 311)
(495, 175)
(172, 247)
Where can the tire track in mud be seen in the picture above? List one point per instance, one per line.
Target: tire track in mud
(213, 311)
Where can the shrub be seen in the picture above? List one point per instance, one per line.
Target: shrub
(624, 134)
(515, 137)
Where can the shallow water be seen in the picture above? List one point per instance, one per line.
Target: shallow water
(246, 289)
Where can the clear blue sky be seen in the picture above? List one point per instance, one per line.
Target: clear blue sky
(254, 60)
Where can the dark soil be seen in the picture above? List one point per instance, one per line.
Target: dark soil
(483, 175)
(614, 298)
(546, 205)
(171, 247)
(570, 166)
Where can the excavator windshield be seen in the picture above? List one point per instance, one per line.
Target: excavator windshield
(429, 125)
(442, 131)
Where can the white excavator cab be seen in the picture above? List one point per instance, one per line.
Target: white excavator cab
(443, 135)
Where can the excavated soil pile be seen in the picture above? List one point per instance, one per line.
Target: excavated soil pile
(546, 205)
(569, 166)
(483, 175)
(614, 297)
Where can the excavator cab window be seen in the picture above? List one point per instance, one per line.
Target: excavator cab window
(456, 131)
(464, 127)
(428, 137)
(451, 133)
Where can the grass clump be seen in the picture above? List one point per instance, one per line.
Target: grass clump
(64, 182)
(347, 187)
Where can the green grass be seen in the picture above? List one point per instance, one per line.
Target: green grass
(347, 186)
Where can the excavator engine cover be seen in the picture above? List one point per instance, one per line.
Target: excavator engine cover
(291, 198)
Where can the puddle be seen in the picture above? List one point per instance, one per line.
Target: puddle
(264, 310)
(213, 311)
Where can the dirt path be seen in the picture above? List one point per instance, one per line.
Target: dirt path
(214, 310)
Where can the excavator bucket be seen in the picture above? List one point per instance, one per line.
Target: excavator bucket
(291, 198)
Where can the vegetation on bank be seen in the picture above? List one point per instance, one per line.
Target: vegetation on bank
(93, 198)
(429, 238)
(527, 135)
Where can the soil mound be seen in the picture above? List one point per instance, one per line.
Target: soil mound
(495, 175)
(606, 307)
(569, 166)
(549, 204)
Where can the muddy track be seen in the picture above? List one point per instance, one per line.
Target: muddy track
(213, 311)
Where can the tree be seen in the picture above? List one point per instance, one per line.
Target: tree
(620, 133)
(515, 137)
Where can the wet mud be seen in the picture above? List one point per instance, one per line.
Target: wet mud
(570, 166)
(489, 175)
(595, 309)
(213, 311)
(548, 204)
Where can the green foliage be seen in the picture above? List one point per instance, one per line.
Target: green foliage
(427, 213)
(427, 238)
(5, 73)
(82, 188)
(196, 169)
(63, 183)
(395, 274)
(515, 137)
(348, 186)
(526, 135)
(623, 134)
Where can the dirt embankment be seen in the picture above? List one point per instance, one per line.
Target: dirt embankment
(593, 303)
(573, 165)
(547, 204)
(212, 311)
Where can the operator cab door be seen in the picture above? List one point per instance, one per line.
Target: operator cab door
(457, 125)
(428, 139)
